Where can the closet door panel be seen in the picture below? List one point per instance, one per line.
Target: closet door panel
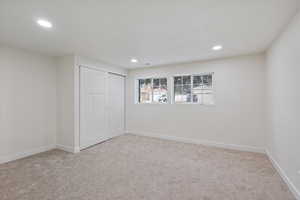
(93, 107)
(116, 104)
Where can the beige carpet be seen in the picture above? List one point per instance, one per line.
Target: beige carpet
(139, 168)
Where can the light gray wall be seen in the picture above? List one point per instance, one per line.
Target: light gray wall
(65, 102)
(283, 86)
(238, 116)
(27, 103)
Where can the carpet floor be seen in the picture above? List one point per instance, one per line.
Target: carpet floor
(132, 167)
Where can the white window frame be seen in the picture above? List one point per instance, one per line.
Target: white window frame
(136, 88)
(192, 79)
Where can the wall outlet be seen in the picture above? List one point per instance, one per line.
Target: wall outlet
(299, 172)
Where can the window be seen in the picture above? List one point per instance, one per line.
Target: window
(193, 89)
(153, 90)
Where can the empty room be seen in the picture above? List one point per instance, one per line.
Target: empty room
(149, 100)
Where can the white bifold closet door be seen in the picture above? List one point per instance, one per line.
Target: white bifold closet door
(101, 106)
(116, 102)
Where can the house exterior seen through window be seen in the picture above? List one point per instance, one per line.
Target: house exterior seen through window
(153, 90)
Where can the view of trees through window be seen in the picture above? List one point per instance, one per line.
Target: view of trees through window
(193, 89)
(153, 90)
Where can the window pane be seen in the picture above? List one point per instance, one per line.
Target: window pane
(165, 87)
(178, 89)
(186, 80)
(178, 80)
(182, 93)
(145, 91)
(197, 81)
(197, 95)
(207, 81)
(187, 93)
(148, 81)
(178, 93)
(160, 93)
(141, 82)
(197, 98)
(156, 83)
(163, 82)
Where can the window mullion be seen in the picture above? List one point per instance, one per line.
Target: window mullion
(151, 90)
(202, 95)
(192, 89)
(159, 87)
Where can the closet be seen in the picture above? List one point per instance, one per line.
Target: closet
(102, 97)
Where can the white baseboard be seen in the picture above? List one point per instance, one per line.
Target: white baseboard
(202, 142)
(8, 158)
(65, 148)
(283, 175)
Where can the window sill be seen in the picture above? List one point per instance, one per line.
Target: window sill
(152, 103)
(194, 104)
(176, 104)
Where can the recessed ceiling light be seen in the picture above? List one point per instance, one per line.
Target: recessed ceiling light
(44, 23)
(134, 60)
(217, 47)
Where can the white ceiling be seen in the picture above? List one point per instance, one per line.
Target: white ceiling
(155, 31)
